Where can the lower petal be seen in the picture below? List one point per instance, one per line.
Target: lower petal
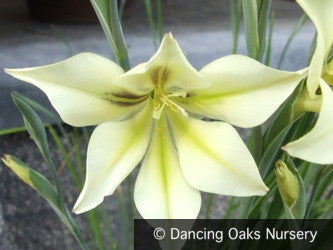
(215, 159)
(316, 146)
(115, 148)
(161, 191)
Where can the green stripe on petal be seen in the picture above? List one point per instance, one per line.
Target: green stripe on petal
(81, 90)
(115, 148)
(161, 191)
(244, 92)
(316, 146)
(320, 12)
(214, 158)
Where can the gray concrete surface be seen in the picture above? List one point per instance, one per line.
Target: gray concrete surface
(202, 29)
(203, 33)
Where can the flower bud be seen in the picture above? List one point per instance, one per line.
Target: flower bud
(18, 169)
(287, 183)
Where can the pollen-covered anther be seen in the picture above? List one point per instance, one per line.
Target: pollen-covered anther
(161, 100)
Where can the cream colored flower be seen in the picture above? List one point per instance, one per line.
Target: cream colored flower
(316, 146)
(151, 112)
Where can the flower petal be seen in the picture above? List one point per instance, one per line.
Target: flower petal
(244, 92)
(179, 73)
(320, 12)
(316, 146)
(214, 158)
(167, 69)
(136, 79)
(80, 88)
(115, 148)
(161, 191)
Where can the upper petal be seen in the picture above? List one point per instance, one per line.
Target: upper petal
(320, 12)
(167, 69)
(115, 148)
(244, 92)
(81, 90)
(161, 191)
(136, 78)
(316, 146)
(179, 73)
(214, 158)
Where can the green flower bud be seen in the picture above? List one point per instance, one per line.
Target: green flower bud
(287, 183)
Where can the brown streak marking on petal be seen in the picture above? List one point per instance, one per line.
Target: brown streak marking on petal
(156, 78)
(124, 104)
(124, 94)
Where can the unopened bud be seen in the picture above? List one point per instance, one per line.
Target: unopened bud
(287, 183)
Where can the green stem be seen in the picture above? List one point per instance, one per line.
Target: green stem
(107, 226)
(95, 229)
(65, 156)
(118, 36)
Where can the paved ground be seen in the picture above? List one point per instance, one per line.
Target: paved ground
(26, 221)
(203, 35)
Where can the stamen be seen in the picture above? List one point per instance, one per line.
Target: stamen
(176, 107)
(161, 100)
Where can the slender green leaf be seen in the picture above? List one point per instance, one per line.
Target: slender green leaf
(281, 118)
(250, 15)
(95, 229)
(264, 7)
(34, 179)
(232, 206)
(276, 207)
(272, 152)
(121, 9)
(107, 13)
(322, 181)
(118, 36)
(14, 130)
(38, 107)
(255, 143)
(46, 190)
(295, 31)
(270, 40)
(65, 156)
(102, 11)
(235, 19)
(34, 126)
